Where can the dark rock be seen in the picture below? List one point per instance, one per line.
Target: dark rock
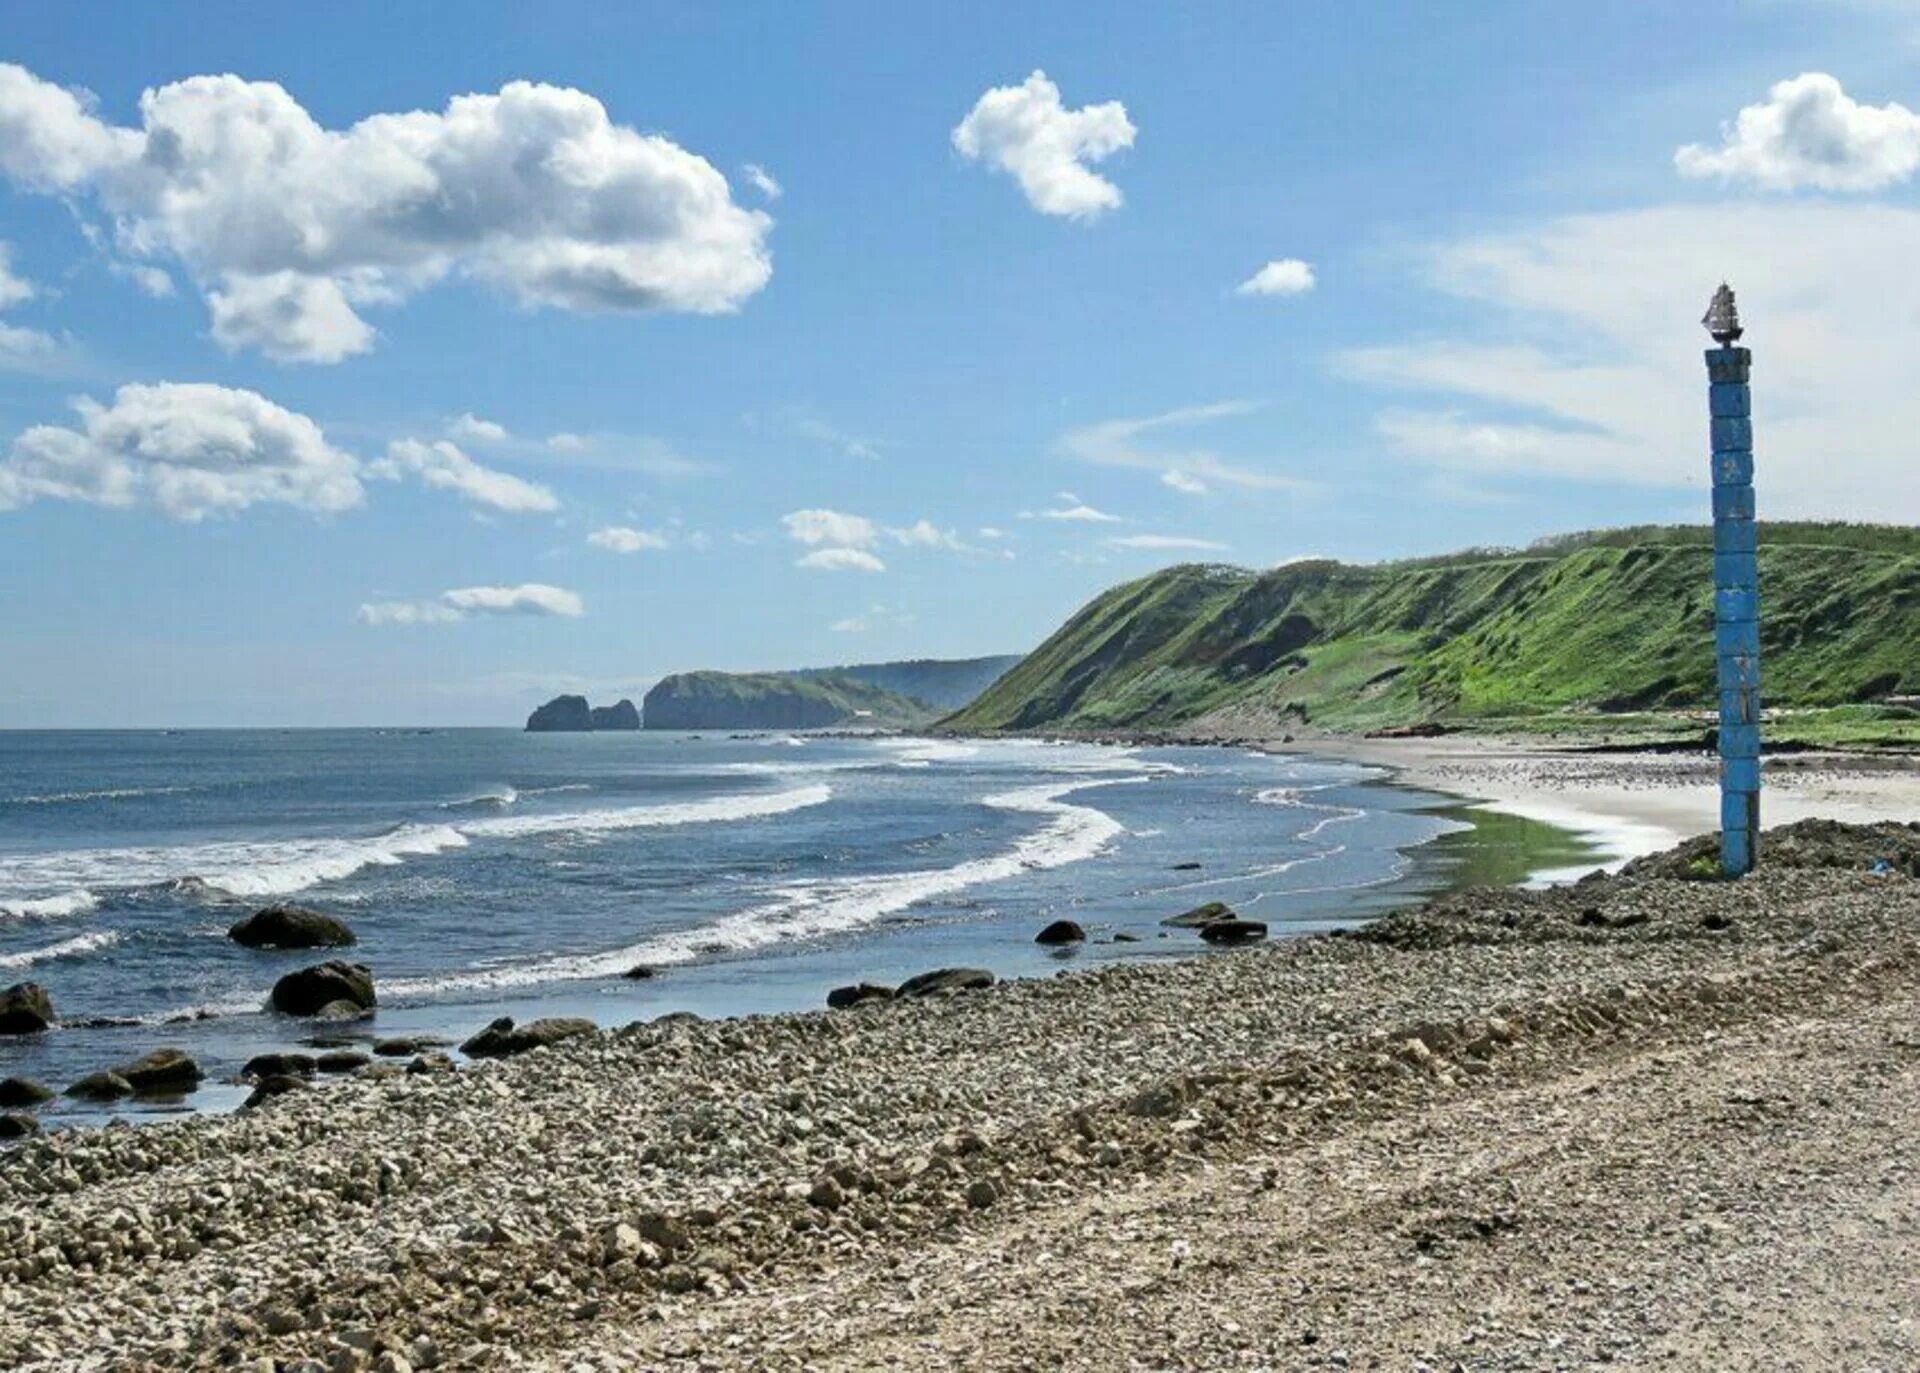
(113, 1022)
(943, 980)
(1186, 867)
(263, 1066)
(313, 990)
(857, 994)
(291, 927)
(1201, 915)
(342, 1061)
(270, 1087)
(1714, 920)
(18, 1127)
(1233, 931)
(623, 715)
(434, 1064)
(640, 972)
(563, 714)
(1124, 938)
(100, 1087)
(1061, 932)
(678, 1018)
(503, 1037)
(406, 1046)
(25, 1009)
(23, 1091)
(163, 1070)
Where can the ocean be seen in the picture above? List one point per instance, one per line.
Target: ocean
(491, 871)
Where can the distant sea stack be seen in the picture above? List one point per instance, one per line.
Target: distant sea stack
(572, 715)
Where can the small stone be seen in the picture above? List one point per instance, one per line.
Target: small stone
(981, 1193)
(826, 1194)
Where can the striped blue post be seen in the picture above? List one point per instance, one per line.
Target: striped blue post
(1736, 601)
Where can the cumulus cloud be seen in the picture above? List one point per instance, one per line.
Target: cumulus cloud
(445, 467)
(841, 560)
(621, 539)
(1027, 132)
(290, 228)
(188, 450)
(1828, 296)
(1134, 443)
(761, 180)
(529, 598)
(817, 527)
(1809, 133)
(1166, 543)
(470, 428)
(1287, 276)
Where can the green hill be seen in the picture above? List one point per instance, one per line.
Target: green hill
(777, 700)
(1608, 622)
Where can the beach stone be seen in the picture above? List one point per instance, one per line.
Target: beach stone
(1124, 938)
(1201, 915)
(341, 1011)
(163, 1070)
(859, 993)
(1061, 932)
(25, 1009)
(433, 1064)
(23, 1091)
(291, 927)
(343, 1061)
(407, 1046)
(1233, 931)
(503, 1038)
(321, 988)
(279, 1065)
(101, 1086)
(270, 1087)
(14, 1126)
(943, 980)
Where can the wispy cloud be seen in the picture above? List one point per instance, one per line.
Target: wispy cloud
(526, 599)
(1070, 509)
(1134, 443)
(1166, 543)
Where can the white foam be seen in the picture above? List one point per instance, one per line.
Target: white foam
(56, 798)
(77, 902)
(925, 752)
(1295, 798)
(496, 797)
(715, 809)
(76, 947)
(829, 906)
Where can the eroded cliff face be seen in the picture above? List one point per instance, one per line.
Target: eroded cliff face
(623, 714)
(572, 714)
(697, 700)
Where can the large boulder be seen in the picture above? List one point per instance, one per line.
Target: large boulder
(18, 1127)
(291, 927)
(943, 980)
(25, 1009)
(503, 1037)
(262, 1066)
(319, 988)
(100, 1087)
(1200, 916)
(23, 1091)
(857, 994)
(1061, 932)
(1233, 931)
(163, 1070)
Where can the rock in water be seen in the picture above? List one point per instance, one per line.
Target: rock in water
(640, 972)
(623, 715)
(163, 1070)
(503, 1037)
(278, 1065)
(1061, 932)
(18, 1127)
(291, 927)
(312, 990)
(25, 1009)
(943, 980)
(1233, 931)
(563, 714)
(840, 998)
(100, 1087)
(23, 1091)
(1201, 915)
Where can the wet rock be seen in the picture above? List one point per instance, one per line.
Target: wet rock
(407, 1046)
(434, 1064)
(341, 1011)
(1201, 915)
(1061, 932)
(23, 1091)
(640, 972)
(276, 1086)
(163, 1070)
(858, 994)
(100, 1087)
(262, 1066)
(17, 1126)
(946, 980)
(291, 927)
(1233, 931)
(1185, 867)
(25, 1009)
(1124, 938)
(323, 988)
(503, 1038)
(342, 1061)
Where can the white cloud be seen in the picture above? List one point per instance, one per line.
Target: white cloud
(1287, 276)
(851, 625)
(189, 450)
(761, 180)
(19, 346)
(1117, 443)
(1180, 481)
(1809, 133)
(1073, 510)
(290, 228)
(987, 531)
(444, 466)
(152, 281)
(849, 445)
(841, 560)
(621, 539)
(529, 598)
(567, 443)
(816, 527)
(1026, 131)
(1166, 542)
(1585, 360)
(925, 534)
(470, 428)
(13, 289)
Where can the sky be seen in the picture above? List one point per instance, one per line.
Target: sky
(374, 364)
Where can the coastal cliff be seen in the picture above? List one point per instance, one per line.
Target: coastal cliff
(897, 695)
(572, 715)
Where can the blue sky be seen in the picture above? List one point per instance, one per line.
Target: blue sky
(305, 420)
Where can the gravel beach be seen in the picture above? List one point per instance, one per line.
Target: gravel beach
(1642, 1119)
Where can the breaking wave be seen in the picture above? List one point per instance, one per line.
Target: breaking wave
(77, 947)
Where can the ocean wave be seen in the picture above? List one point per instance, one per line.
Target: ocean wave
(492, 798)
(926, 752)
(59, 798)
(77, 902)
(281, 867)
(77, 947)
(805, 910)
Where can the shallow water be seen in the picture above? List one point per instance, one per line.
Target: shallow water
(493, 871)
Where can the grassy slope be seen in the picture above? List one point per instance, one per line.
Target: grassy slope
(841, 698)
(1612, 622)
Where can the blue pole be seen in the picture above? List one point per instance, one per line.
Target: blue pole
(1736, 605)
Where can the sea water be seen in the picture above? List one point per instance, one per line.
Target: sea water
(493, 872)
